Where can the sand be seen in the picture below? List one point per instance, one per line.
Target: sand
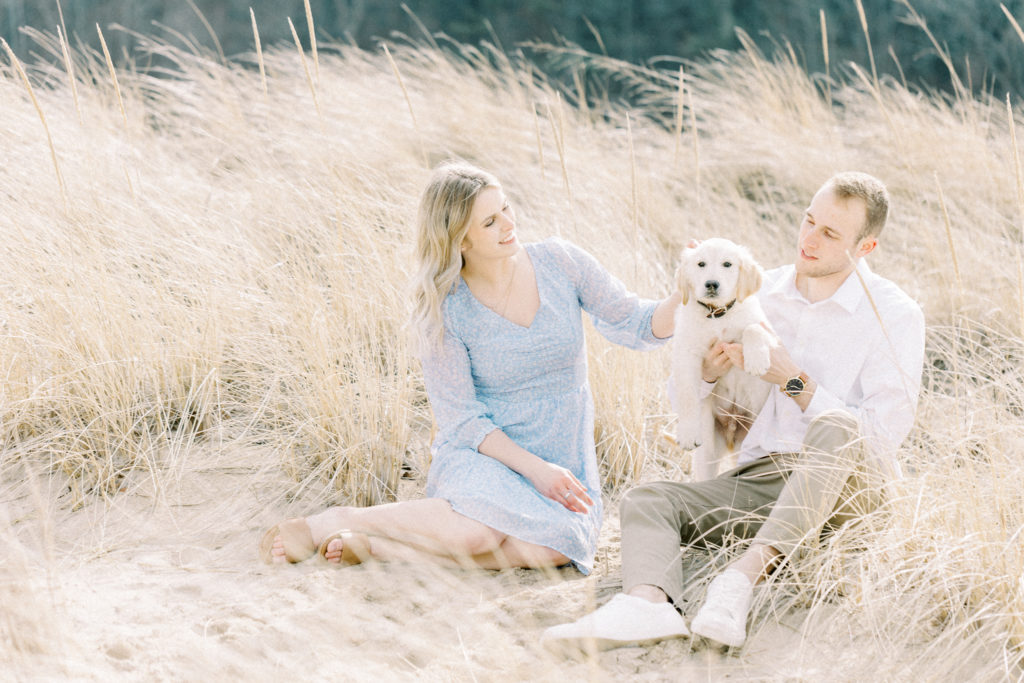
(162, 582)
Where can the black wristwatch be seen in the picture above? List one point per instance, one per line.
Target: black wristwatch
(795, 386)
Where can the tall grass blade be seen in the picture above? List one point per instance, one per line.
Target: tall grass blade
(540, 143)
(824, 52)
(42, 118)
(1018, 172)
(408, 101)
(677, 127)
(867, 40)
(558, 131)
(1013, 22)
(634, 213)
(949, 236)
(209, 31)
(305, 68)
(259, 52)
(113, 77)
(70, 70)
(312, 41)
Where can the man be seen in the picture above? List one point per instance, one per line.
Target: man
(848, 368)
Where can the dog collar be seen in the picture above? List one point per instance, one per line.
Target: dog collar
(715, 311)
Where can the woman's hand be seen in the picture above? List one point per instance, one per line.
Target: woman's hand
(560, 485)
(717, 361)
(553, 481)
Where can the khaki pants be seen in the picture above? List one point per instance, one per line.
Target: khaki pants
(779, 500)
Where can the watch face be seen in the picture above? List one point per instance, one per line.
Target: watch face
(794, 386)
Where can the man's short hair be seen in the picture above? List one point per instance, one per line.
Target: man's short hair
(872, 191)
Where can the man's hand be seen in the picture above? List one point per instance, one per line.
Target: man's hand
(782, 367)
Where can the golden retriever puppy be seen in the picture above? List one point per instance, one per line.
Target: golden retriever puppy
(717, 280)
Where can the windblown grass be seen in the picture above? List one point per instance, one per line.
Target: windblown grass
(228, 272)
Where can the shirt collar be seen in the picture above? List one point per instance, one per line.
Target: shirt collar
(848, 296)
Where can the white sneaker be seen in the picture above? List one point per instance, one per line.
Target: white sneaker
(624, 620)
(723, 617)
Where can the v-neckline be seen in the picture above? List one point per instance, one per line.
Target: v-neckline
(536, 283)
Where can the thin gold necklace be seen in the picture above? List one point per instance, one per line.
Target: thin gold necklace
(507, 297)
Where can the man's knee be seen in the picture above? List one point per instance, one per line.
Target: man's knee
(836, 418)
(647, 501)
(834, 430)
(639, 497)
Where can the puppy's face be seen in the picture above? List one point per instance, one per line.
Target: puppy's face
(717, 272)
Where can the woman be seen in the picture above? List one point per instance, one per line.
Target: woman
(514, 479)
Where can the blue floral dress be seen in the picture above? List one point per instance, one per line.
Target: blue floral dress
(530, 382)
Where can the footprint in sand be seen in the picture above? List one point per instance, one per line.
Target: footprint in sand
(189, 590)
(121, 655)
(119, 651)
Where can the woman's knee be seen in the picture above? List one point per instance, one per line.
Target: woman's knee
(475, 538)
(518, 553)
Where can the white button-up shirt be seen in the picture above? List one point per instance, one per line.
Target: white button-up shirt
(865, 362)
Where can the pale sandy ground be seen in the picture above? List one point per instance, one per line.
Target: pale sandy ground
(163, 583)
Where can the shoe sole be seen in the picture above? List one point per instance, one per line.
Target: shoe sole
(696, 630)
(585, 646)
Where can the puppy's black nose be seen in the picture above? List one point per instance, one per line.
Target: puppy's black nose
(711, 286)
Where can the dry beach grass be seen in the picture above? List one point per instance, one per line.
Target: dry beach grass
(201, 331)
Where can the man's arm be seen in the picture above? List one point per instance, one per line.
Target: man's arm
(782, 369)
(890, 381)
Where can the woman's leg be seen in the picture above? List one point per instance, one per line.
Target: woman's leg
(514, 552)
(426, 529)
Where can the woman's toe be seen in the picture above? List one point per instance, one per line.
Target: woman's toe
(277, 552)
(334, 549)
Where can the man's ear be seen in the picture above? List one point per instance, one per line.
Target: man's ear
(867, 245)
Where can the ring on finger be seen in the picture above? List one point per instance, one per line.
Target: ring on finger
(566, 494)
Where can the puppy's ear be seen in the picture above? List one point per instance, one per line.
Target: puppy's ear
(750, 277)
(682, 276)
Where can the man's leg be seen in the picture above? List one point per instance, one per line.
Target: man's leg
(656, 518)
(829, 483)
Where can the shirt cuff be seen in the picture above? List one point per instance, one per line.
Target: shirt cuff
(823, 400)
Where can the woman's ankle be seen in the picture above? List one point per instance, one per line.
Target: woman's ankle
(323, 524)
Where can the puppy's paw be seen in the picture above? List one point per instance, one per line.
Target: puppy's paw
(688, 434)
(757, 361)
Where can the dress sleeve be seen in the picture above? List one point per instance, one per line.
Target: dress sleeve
(462, 420)
(619, 315)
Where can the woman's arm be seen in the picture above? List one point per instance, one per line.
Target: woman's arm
(549, 479)
(464, 422)
(663, 321)
(619, 315)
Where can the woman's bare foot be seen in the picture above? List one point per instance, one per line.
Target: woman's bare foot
(334, 549)
(288, 542)
(277, 553)
(346, 548)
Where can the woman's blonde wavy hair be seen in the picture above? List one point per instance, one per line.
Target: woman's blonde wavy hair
(442, 224)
